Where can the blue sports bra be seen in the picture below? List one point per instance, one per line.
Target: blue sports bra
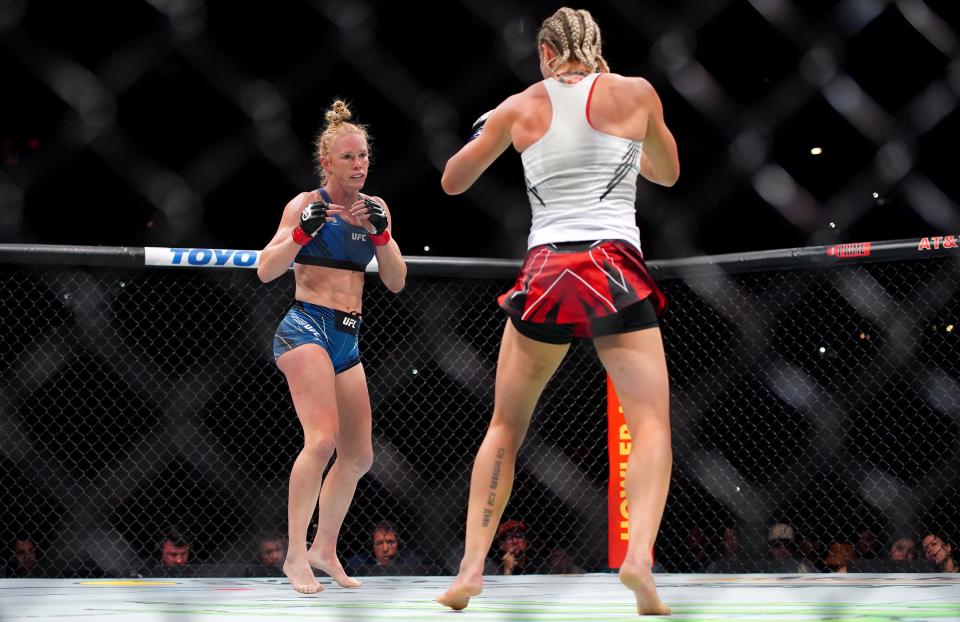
(337, 245)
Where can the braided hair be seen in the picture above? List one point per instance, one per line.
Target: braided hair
(574, 36)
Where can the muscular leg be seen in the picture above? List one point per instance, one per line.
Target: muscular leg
(310, 378)
(637, 366)
(354, 458)
(523, 369)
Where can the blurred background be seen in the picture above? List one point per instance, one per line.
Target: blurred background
(190, 122)
(813, 405)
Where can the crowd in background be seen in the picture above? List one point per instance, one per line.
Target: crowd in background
(718, 552)
(790, 551)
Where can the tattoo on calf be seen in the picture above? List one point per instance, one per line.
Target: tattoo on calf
(494, 482)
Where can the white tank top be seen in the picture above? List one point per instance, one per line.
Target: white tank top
(582, 183)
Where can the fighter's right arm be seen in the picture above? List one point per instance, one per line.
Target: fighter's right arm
(276, 256)
(659, 161)
(491, 137)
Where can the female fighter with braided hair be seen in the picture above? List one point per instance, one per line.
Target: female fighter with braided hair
(584, 134)
(330, 234)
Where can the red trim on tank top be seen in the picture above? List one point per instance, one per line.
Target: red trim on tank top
(589, 98)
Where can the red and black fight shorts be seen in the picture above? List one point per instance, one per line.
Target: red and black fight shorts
(581, 290)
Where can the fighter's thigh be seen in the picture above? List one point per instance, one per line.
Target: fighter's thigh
(637, 366)
(523, 368)
(310, 378)
(353, 404)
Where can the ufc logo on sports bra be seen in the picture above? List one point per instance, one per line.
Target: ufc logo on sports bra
(358, 236)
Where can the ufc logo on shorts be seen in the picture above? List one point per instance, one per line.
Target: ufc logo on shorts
(358, 236)
(349, 322)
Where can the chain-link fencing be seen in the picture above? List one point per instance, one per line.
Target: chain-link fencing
(133, 401)
(181, 129)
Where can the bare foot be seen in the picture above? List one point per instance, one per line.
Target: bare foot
(639, 578)
(332, 566)
(301, 577)
(459, 594)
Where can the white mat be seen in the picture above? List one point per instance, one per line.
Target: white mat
(594, 597)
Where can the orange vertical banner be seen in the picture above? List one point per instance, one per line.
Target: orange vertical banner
(618, 449)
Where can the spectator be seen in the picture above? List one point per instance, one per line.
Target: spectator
(25, 561)
(697, 558)
(385, 556)
(730, 556)
(514, 548)
(173, 558)
(811, 550)
(783, 548)
(271, 553)
(938, 550)
(903, 549)
(780, 541)
(868, 546)
(174, 550)
(839, 555)
(386, 544)
(730, 544)
(560, 562)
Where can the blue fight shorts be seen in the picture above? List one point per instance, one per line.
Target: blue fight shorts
(334, 331)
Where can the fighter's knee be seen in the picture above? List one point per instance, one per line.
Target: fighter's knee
(647, 419)
(646, 397)
(359, 462)
(509, 429)
(319, 448)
